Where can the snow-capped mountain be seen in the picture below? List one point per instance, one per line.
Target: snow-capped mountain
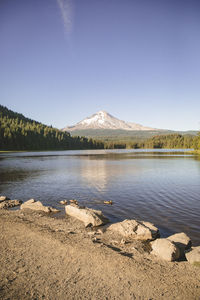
(103, 120)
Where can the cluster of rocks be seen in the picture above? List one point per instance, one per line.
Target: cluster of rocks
(6, 202)
(175, 247)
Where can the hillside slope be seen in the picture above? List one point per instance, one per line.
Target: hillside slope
(20, 133)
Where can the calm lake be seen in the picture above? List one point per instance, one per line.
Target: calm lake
(162, 186)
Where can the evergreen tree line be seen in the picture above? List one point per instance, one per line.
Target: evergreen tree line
(169, 141)
(20, 133)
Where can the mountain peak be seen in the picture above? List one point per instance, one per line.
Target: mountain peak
(103, 120)
(102, 112)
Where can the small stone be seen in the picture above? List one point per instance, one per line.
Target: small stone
(114, 242)
(70, 232)
(123, 242)
(133, 248)
(54, 210)
(91, 233)
(73, 201)
(63, 202)
(3, 198)
(108, 202)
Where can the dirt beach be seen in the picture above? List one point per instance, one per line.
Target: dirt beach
(43, 257)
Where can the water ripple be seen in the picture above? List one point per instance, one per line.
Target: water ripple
(160, 188)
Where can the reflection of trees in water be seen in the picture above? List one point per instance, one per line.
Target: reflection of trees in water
(14, 169)
(135, 155)
(17, 175)
(17, 183)
(197, 157)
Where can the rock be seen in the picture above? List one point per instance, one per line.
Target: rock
(64, 202)
(135, 229)
(165, 249)
(3, 198)
(9, 203)
(91, 233)
(153, 228)
(108, 202)
(114, 242)
(74, 204)
(54, 210)
(101, 230)
(37, 205)
(182, 241)
(73, 201)
(95, 239)
(193, 255)
(87, 215)
(123, 242)
(30, 201)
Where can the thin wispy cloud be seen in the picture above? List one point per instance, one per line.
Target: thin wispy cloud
(67, 14)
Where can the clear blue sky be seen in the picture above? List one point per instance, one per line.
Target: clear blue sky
(63, 60)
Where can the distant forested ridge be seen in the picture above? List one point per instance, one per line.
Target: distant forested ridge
(113, 139)
(167, 141)
(172, 141)
(20, 133)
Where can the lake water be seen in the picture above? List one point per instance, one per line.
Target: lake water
(162, 187)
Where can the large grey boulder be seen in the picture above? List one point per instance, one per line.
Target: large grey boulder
(193, 255)
(182, 241)
(88, 216)
(3, 198)
(165, 249)
(9, 203)
(37, 205)
(139, 230)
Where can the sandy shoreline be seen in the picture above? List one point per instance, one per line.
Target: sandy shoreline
(51, 258)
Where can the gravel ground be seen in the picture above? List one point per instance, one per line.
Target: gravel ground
(43, 257)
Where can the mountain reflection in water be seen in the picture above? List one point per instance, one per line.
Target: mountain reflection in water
(99, 173)
(162, 187)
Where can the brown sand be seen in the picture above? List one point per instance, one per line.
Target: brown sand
(50, 258)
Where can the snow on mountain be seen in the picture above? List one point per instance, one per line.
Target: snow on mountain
(103, 120)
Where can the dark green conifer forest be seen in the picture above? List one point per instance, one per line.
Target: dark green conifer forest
(20, 133)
